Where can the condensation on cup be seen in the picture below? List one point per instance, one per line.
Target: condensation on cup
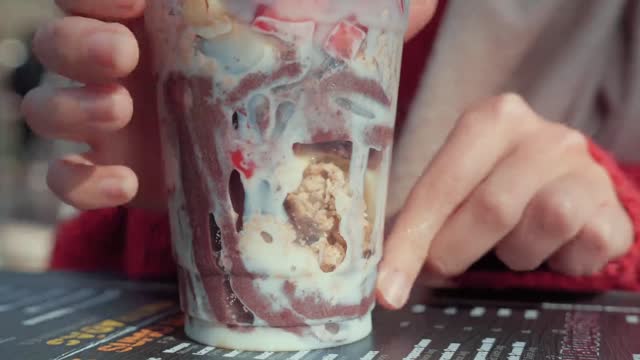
(277, 126)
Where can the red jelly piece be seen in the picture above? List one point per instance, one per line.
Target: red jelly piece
(265, 24)
(354, 20)
(247, 168)
(281, 10)
(345, 40)
(286, 30)
(266, 10)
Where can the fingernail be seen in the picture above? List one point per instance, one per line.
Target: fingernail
(116, 188)
(101, 47)
(395, 287)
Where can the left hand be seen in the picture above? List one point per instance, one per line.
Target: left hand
(103, 45)
(509, 181)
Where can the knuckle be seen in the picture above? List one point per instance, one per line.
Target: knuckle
(506, 106)
(496, 112)
(566, 138)
(495, 208)
(553, 214)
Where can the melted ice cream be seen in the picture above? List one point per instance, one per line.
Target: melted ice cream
(277, 120)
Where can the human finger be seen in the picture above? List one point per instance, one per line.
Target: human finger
(77, 113)
(481, 138)
(79, 182)
(496, 206)
(552, 219)
(103, 9)
(87, 50)
(607, 236)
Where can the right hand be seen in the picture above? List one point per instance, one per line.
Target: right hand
(97, 45)
(101, 45)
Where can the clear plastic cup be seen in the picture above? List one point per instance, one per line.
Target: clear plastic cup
(277, 122)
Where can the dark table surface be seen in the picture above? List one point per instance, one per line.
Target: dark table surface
(83, 317)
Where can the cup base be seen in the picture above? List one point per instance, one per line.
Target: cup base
(263, 338)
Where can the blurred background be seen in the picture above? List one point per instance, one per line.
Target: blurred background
(28, 211)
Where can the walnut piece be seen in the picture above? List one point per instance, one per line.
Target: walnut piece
(312, 210)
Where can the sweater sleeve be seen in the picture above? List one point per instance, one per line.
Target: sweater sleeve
(129, 242)
(621, 274)
(90, 242)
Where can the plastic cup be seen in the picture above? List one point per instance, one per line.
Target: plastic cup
(277, 121)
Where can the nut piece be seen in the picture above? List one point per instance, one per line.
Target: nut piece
(312, 207)
(329, 255)
(312, 211)
(367, 247)
(201, 12)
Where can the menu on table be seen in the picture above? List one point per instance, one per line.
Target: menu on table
(83, 317)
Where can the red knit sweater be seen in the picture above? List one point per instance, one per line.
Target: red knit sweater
(137, 243)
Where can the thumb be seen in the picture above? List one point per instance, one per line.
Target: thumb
(420, 14)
